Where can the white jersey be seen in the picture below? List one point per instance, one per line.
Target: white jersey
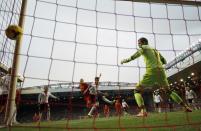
(124, 104)
(5, 83)
(93, 89)
(190, 94)
(157, 98)
(43, 97)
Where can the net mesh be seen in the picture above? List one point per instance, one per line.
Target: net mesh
(64, 41)
(9, 15)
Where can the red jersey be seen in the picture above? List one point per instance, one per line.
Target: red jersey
(84, 88)
(118, 107)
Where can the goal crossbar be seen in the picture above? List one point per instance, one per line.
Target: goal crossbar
(185, 2)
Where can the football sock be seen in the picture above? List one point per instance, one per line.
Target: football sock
(176, 97)
(140, 101)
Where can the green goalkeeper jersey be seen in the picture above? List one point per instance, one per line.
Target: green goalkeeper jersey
(155, 74)
(153, 59)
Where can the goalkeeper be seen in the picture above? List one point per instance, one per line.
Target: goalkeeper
(154, 77)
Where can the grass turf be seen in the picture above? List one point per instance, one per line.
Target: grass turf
(178, 121)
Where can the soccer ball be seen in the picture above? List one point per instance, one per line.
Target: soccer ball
(13, 32)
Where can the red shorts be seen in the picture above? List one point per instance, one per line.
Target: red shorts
(90, 100)
(118, 108)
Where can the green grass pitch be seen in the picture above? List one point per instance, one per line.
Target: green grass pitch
(171, 121)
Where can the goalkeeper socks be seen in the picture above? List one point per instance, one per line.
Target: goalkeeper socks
(176, 97)
(139, 100)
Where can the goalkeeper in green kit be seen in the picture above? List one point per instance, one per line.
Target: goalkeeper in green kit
(154, 77)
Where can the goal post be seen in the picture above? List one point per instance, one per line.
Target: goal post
(10, 107)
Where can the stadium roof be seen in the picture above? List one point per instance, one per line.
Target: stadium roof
(185, 63)
(185, 73)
